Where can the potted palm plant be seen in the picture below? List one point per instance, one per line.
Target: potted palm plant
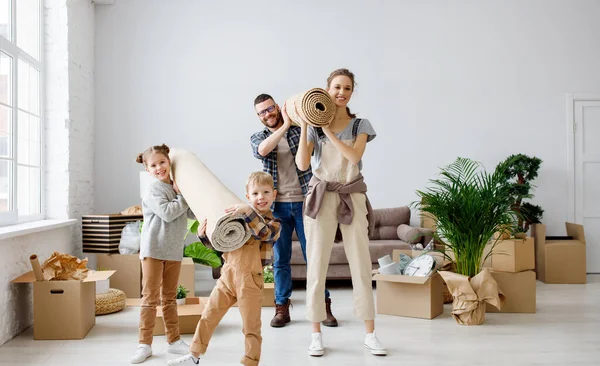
(468, 205)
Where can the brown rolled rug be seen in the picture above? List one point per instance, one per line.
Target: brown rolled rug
(314, 106)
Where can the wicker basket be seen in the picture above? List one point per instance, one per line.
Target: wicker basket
(110, 302)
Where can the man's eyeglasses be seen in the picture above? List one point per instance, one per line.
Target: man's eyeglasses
(268, 110)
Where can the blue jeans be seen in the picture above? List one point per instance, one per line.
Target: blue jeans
(290, 214)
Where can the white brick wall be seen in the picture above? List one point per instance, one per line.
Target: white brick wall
(69, 154)
(70, 110)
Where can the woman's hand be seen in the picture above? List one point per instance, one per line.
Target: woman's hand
(202, 228)
(239, 209)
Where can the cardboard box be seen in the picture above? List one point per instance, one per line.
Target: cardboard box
(63, 309)
(519, 290)
(410, 296)
(268, 295)
(129, 272)
(514, 255)
(102, 233)
(560, 260)
(187, 276)
(189, 315)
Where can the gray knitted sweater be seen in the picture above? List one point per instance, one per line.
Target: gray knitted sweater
(165, 222)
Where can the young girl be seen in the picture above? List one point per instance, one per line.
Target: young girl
(337, 196)
(161, 251)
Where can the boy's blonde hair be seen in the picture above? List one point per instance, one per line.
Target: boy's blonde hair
(260, 178)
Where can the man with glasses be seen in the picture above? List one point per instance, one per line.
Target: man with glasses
(276, 146)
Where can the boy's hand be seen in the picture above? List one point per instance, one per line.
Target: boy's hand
(176, 188)
(202, 228)
(239, 209)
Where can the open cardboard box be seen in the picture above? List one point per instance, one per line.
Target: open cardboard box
(560, 260)
(189, 314)
(410, 296)
(129, 273)
(63, 309)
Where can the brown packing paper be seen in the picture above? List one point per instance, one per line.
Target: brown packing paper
(64, 267)
(37, 269)
(133, 210)
(468, 307)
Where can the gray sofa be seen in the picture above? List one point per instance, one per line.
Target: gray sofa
(392, 231)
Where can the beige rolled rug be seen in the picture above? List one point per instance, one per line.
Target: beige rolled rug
(314, 106)
(208, 198)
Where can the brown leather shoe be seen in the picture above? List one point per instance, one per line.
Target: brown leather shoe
(282, 315)
(331, 321)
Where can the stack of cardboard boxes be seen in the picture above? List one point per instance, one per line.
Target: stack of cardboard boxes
(513, 264)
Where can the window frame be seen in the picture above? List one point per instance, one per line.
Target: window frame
(10, 48)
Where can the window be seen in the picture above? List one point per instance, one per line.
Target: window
(21, 117)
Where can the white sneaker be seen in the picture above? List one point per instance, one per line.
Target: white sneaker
(316, 345)
(373, 345)
(141, 353)
(179, 347)
(184, 360)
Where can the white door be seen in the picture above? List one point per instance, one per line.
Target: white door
(587, 175)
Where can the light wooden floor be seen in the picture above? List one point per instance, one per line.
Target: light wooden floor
(565, 331)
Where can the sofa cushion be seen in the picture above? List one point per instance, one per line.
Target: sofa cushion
(409, 234)
(386, 221)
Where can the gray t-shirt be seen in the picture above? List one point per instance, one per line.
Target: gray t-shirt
(364, 126)
(165, 222)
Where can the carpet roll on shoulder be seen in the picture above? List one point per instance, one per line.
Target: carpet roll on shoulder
(208, 198)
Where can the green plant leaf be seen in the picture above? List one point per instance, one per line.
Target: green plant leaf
(192, 227)
(202, 255)
(268, 275)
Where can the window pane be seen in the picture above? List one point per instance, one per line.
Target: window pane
(23, 85)
(23, 138)
(34, 141)
(5, 183)
(28, 200)
(5, 19)
(5, 131)
(5, 78)
(28, 26)
(34, 91)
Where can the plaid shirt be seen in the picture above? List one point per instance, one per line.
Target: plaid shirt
(270, 161)
(264, 229)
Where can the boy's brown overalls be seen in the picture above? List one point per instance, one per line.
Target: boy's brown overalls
(241, 281)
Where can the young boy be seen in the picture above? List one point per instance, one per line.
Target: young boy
(242, 274)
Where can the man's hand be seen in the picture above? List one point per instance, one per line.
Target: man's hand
(239, 209)
(287, 121)
(202, 228)
(176, 188)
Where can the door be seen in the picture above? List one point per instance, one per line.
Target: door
(586, 154)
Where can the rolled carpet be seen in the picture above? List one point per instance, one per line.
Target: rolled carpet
(314, 106)
(208, 198)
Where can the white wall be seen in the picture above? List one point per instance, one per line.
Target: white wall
(437, 79)
(69, 122)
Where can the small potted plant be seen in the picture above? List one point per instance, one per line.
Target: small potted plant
(269, 286)
(181, 295)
